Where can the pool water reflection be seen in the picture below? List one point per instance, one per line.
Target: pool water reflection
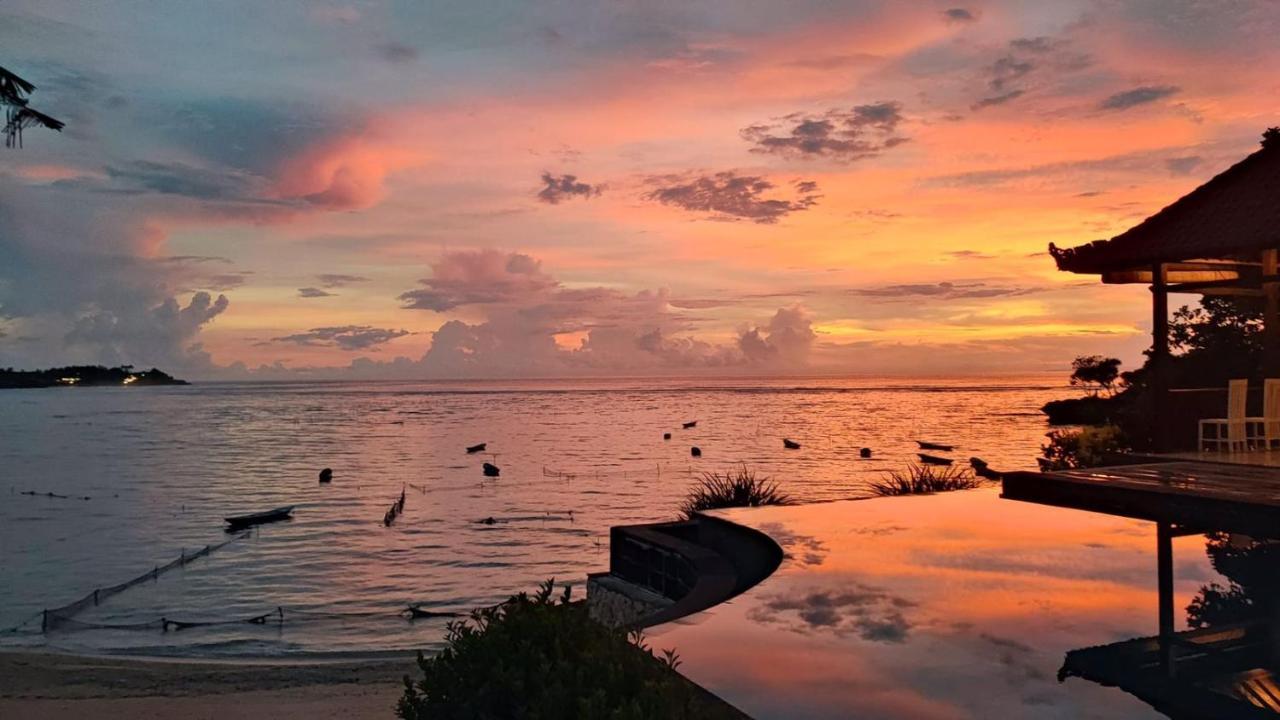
(960, 605)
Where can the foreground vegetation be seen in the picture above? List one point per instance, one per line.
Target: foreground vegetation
(924, 479)
(739, 488)
(536, 657)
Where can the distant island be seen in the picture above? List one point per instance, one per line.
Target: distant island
(79, 375)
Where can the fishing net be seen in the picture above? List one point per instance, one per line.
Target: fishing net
(64, 616)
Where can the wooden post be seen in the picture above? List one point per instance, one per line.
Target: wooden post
(1271, 313)
(1164, 585)
(1159, 359)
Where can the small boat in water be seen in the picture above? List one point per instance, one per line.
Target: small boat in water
(476, 448)
(491, 470)
(239, 522)
(790, 444)
(924, 445)
(934, 459)
(692, 423)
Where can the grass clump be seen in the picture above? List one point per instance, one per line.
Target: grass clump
(740, 488)
(536, 657)
(925, 479)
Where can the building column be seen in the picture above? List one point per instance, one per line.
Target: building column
(1164, 587)
(1159, 384)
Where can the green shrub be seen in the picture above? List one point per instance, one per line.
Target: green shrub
(924, 479)
(533, 657)
(1086, 447)
(740, 488)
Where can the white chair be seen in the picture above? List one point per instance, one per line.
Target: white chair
(1265, 430)
(1232, 430)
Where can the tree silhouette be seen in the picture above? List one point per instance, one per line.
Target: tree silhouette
(1095, 374)
(18, 116)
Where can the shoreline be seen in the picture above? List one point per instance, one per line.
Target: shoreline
(52, 685)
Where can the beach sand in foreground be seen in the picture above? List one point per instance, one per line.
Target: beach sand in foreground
(49, 687)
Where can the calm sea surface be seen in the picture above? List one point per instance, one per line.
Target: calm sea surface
(162, 466)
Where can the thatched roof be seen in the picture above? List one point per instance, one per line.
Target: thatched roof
(1235, 215)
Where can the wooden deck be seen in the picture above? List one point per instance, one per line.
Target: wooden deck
(1257, 458)
(1219, 673)
(1191, 494)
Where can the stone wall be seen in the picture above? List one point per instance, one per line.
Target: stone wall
(615, 602)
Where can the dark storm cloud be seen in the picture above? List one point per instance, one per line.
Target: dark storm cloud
(942, 290)
(179, 179)
(987, 102)
(1007, 69)
(860, 132)
(959, 15)
(313, 292)
(1025, 63)
(1137, 96)
(399, 53)
(730, 196)
(225, 281)
(337, 280)
(253, 135)
(557, 188)
(346, 337)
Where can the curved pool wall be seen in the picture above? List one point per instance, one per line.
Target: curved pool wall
(660, 572)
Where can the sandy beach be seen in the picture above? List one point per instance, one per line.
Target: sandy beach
(49, 686)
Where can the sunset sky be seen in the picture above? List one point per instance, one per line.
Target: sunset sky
(497, 189)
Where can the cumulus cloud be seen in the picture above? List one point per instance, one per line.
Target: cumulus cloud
(161, 336)
(341, 173)
(535, 326)
(1137, 96)
(861, 132)
(313, 292)
(478, 278)
(868, 612)
(558, 188)
(345, 337)
(785, 341)
(730, 196)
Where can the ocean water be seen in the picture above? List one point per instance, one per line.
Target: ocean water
(162, 466)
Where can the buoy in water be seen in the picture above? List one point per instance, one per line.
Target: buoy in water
(864, 453)
(491, 470)
(695, 451)
(326, 475)
(666, 436)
